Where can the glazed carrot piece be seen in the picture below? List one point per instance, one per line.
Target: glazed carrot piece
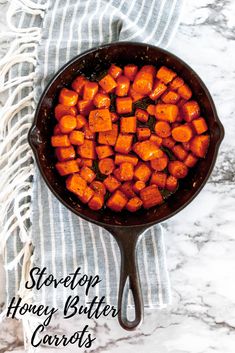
(67, 167)
(65, 153)
(159, 164)
(178, 169)
(126, 171)
(121, 158)
(124, 105)
(60, 141)
(143, 133)
(81, 121)
(90, 89)
(87, 149)
(190, 160)
(151, 196)
(176, 83)
(85, 106)
(171, 183)
(116, 173)
(167, 112)
(199, 145)
(142, 115)
(76, 184)
(159, 179)
(106, 166)
(88, 133)
(170, 97)
(115, 71)
(56, 130)
(108, 83)
(104, 151)
(158, 89)
(147, 150)
(68, 97)
(124, 143)
(185, 92)
(128, 125)
(78, 84)
(190, 110)
(138, 186)
(100, 120)
(86, 162)
(142, 172)
(165, 74)
(76, 137)
(108, 137)
(123, 85)
(96, 202)
(61, 110)
(151, 109)
(98, 187)
(162, 129)
(127, 189)
(111, 183)
(179, 152)
(186, 145)
(136, 96)
(156, 139)
(200, 125)
(114, 117)
(143, 82)
(134, 204)
(102, 100)
(130, 71)
(182, 133)
(87, 195)
(67, 123)
(168, 142)
(87, 174)
(117, 201)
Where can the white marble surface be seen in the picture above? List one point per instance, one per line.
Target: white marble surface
(200, 239)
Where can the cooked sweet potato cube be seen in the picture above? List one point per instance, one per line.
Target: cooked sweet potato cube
(78, 84)
(124, 105)
(111, 183)
(81, 121)
(76, 184)
(117, 201)
(123, 143)
(165, 74)
(142, 115)
(85, 106)
(151, 196)
(108, 83)
(190, 110)
(90, 89)
(126, 171)
(115, 71)
(104, 151)
(199, 125)
(65, 153)
(96, 202)
(190, 160)
(158, 89)
(142, 172)
(60, 141)
(87, 174)
(100, 120)
(171, 183)
(147, 150)
(170, 97)
(87, 195)
(127, 189)
(102, 100)
(76, 137)
(134, 204)
(179, 152)
(143, 133)
(130, 71)
(121, 158)
(67, 167)
(87, 149)
(199, 145)
(68, 97)
(108, 137)
(185, 92)
(128, 125)
(159, 179)
(167, 112)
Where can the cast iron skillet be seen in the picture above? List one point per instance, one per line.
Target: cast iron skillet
(125, 227)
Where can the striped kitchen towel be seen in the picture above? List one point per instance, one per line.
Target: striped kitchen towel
(47, 35)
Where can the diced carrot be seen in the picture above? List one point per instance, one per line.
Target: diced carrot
(128, 124)
(114, 117)
(67, 167)
(179, 152)
(165, 74)
(102, 100)
(127, 189)
(142, 115)
(116, 173)
(156, 139)
(151, 108)
(138, 186)
(81, 121)
(121, 158)
(178, 169)
(147, 150)
(186, 145)
(134, 204)
(87, 174)
(182, 133)
(65, 153)
(158, 89)
(68, 97)
(143, 133)
(87, 195)
(124, 105)
(190, 110)
(108, 137)
(143, 82)
(87, 149)
(100, 120)
(86, 162)
(126, 171)
(199, 145)
(159, 164)
(61, 110)
(176, 83)
(106, 166)
(123, 85)
(90, 90)
(167, 112)
(159, 179)
(56, 130)
(199, 125)
(67, 123)
(168, 142)
(98, 187)
(85, 106)
(115, 71)
(76, 184)
(88, 133)
(162, 129)
(170, 97)
(78, 84)
(104, 151)
(76, 137)
(117, 201)
(171, 183)
(96, 202)
(136, 96)
(185, 92)
(111, 183)
(190, 160)
(108, 83)
(151, 196)
(142, 172)
(123, 143)
(130, 71)
(60, 141)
